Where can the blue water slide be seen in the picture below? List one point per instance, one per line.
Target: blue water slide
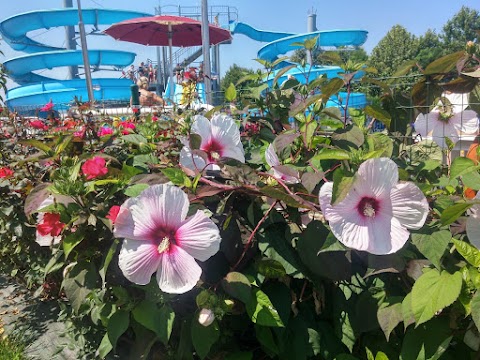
(38, 89)
(279, 43)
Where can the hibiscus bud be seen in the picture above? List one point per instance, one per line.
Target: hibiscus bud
(206, 317)
(470, 47)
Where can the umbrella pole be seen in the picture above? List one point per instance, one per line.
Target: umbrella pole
(170, 80)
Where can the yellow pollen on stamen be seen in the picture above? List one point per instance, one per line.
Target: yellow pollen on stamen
(164, 245)
(369, 211)
(215, 155)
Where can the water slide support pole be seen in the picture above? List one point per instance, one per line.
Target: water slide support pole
(86, 60)
(70, 42)
(206, 51)
(311, 27)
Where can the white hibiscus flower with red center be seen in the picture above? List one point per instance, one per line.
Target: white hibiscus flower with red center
(378, 211)
(287, 175)
(220, 138)
(449, 119)
(158, 237)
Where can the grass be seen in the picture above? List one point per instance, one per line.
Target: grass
(11, 349)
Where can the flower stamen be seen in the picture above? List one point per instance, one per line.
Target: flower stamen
(368, 207)
(164, 245)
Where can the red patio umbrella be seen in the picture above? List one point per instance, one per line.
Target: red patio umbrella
(163, 30)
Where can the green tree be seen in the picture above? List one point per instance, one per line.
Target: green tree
(233, 74)
(357, 55)
(462, 27)
(430, 48)
(396, 47)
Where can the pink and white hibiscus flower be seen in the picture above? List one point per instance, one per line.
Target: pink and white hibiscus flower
(279, 171)
(378, 210)
(448, 119)
(473, 223)
(220, 138)
(158, 238)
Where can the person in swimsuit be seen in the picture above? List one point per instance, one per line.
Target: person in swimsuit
(148, 98)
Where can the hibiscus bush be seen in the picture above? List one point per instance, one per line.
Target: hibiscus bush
(271, 227)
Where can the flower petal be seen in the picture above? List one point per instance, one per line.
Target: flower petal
(225, 132)
(234, 152)
(375, 177)
(124, 224)
(465, 122)
(271, 156)
(409, 205)
(458, 101)
(202, 126)
(191, 160)
(166, 205)
(178, 272)
(443, 130)
(138, 260)
(199, 236)
(425, 123)
(473, 229)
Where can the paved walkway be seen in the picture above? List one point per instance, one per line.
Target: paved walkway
(34, 322)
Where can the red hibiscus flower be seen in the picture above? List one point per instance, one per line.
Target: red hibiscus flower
(38, 124)
(104, 131)
(47, 107)
(113, 213)
(51, 225)
(6, 172)
(94, 168)
(127, 126)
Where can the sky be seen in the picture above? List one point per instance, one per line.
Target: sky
(375, 16)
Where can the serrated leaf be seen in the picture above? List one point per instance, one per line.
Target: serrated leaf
(469, 252)
(262, 311)
(176, 176)
(432, 246)
(434, 291)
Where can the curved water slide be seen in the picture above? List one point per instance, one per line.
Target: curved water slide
(35, 89)
(280, 43)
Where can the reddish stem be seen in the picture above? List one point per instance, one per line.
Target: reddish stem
(250, 239)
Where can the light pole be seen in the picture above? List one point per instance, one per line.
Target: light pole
(206, 52)
(86, 60)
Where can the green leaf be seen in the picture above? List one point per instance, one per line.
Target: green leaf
(230, 93)
(280, 194)
(54, 263)
(452, 213)
(342, 183)
(271, 268)
(427, 342)
(379, 114)
(379, 141)
(243, 355)
(281, 72)
(135, 139)
(38, 144)
(332, 154)
(237, 285)
(71, 240)
(407, 312)
(158, 320)
(389, 317)
(203, 337)
(351, 136)
(330, 88)
(135, 190)
(105, 347)
(472, 180)
(79, 282)
(262, 311)
(461, 166)
(475, 306)
(434, 291)
(265, 337)
(117, 325)
(175, 175)
(444, 64)
(433, 246)
(469, 252)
